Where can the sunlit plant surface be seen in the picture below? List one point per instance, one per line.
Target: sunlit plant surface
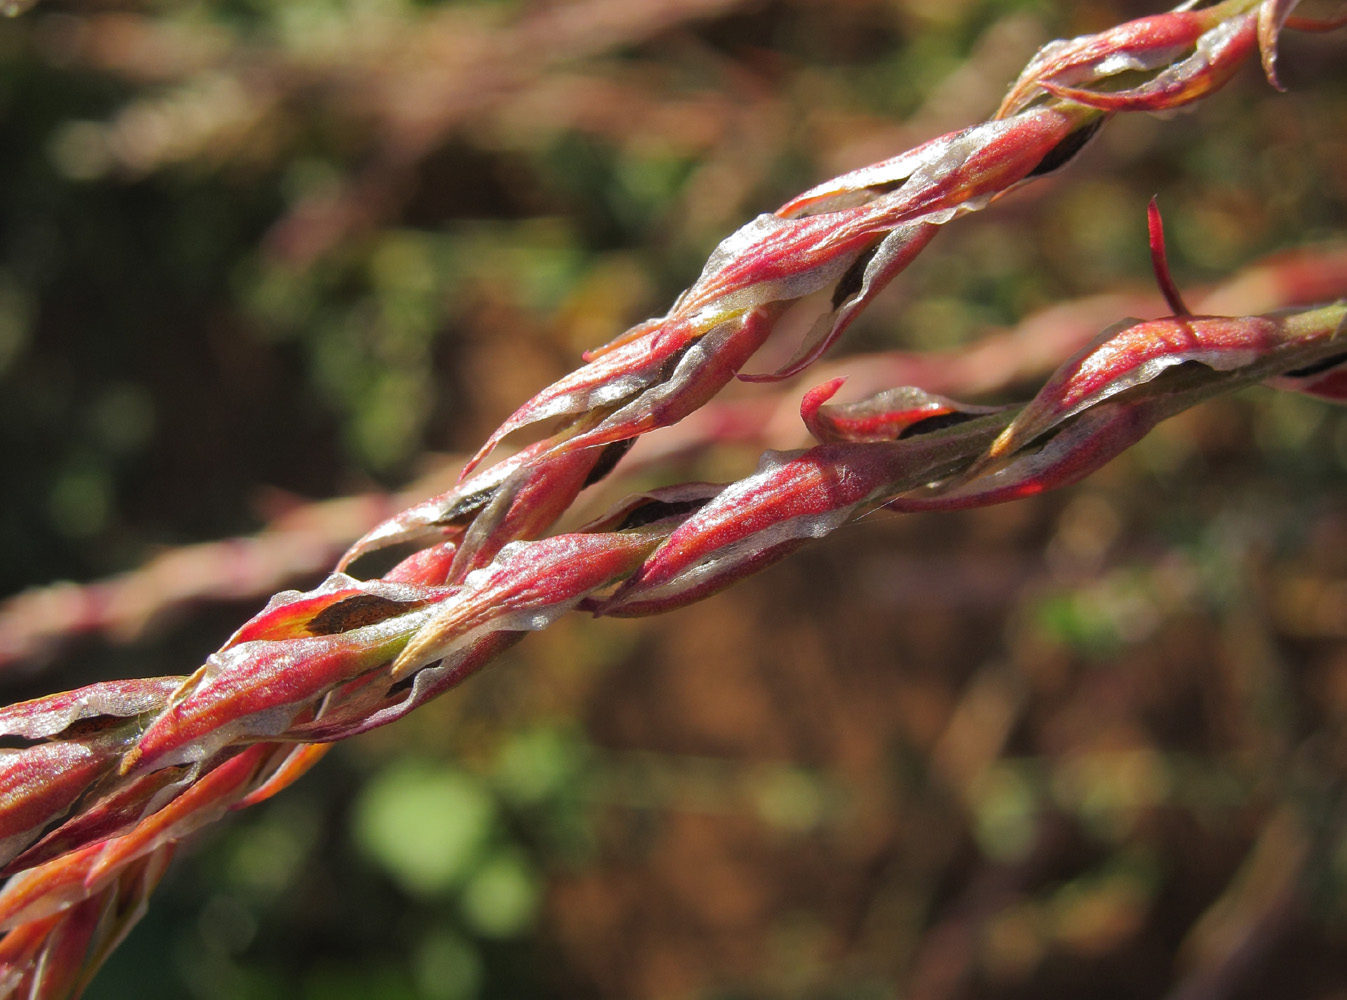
(1034, 729)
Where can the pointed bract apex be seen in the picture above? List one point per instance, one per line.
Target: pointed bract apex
(1272, 16)
(1155, 227)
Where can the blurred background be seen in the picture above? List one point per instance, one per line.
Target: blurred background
(257, 253)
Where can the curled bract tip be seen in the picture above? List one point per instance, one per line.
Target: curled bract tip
(1272, 17)
(1160, 261)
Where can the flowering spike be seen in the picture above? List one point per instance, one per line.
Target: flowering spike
(1110, 397)
(255, 687)
(1130, 357)
(854, 239)
(116, 773)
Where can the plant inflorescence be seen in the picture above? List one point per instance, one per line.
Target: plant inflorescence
(107, 778)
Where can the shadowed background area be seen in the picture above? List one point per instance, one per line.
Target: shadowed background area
(256, 253)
